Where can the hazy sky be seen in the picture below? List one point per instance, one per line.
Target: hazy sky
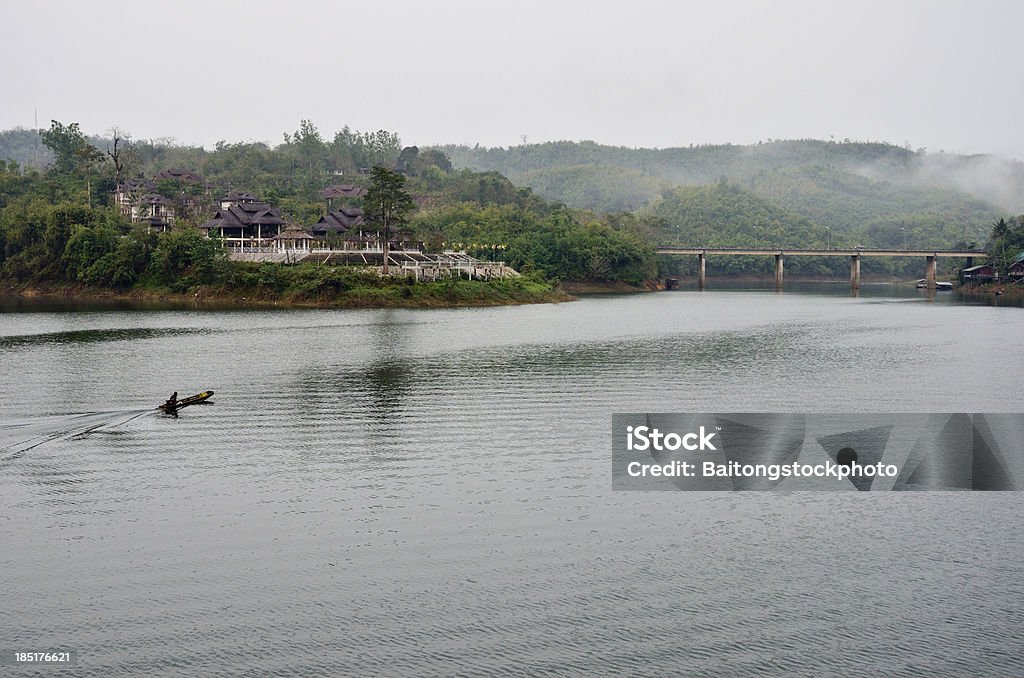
(940, 74)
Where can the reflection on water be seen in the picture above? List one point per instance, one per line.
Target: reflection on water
(85, 336)
(423, 492)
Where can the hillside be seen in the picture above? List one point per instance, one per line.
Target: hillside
(879, 193)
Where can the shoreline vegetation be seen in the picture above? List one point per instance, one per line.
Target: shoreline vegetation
(354, 290)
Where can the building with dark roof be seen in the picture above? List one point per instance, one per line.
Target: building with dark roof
(339, 221)
(237, 198)
(342, 191)
(155, 210)
(138, 200)
(344, 227)
(178, 175)
(1016, 270)
(974, 275)
(245, 224)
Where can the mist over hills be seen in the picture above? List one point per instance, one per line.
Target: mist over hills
(877, 193)
(993, 179)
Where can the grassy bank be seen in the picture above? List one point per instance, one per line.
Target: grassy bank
(314, 286)
(1008, 290)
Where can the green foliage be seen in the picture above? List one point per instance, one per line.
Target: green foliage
(71, 150)
(186, 258)
(599, 187)
(1006, 242)
(865, 191)
(387, 204)
(560, 245)
(725, 215)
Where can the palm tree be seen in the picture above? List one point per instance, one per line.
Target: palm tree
(1000, 229)
(1000, 232)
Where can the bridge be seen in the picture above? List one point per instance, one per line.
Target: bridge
(855, 255)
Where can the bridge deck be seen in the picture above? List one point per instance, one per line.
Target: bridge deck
(794, 252)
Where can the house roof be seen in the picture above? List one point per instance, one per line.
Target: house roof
(339, 221)
(138, 184)
(180, 174)
(240, 196)
(976, 268)
(343, 191)
(156, 199)
(245, 215)
(293, 232)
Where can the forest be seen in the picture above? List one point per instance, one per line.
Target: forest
(780, 193)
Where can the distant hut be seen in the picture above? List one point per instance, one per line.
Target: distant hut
(977, 275)
(1016, 270)
(293, 237)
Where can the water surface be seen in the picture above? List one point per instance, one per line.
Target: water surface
(422, 492)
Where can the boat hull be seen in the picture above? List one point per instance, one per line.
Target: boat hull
(171, 408)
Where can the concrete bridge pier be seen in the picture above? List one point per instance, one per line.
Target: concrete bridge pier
(702, 270)
(778, 271)
(929, 273)
(855, 271)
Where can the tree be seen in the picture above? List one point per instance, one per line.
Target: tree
(432, 158)
(70, 147)
(308, 143)
(121, 152)
(406, 160)
(387, 204)
(1000, 232)
(383, 147)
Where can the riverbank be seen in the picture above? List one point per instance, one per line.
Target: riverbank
(992, 290)
(341, 294)
(577, 287)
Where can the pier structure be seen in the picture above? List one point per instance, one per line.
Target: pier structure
(401, 263)
(855, 255)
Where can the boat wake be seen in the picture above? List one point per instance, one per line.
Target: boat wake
(18, 438)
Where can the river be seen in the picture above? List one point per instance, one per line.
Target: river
(420, 492)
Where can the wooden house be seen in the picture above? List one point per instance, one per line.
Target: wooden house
(344, 227)
(139, 201)
(244, 222)
(976, 275)
(1015, 272)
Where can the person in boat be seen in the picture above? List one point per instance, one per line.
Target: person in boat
(172, 401)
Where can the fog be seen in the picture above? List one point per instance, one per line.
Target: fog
(936, 74)
(993, 179)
